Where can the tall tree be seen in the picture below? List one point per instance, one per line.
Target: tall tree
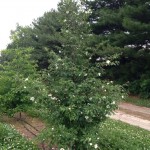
(124, 24)
(42, 34)
(78, 99)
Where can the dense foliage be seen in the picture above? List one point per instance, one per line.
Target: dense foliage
(69, 69)
(70, 87)
(125, 24)
(120, 27)
(19, 81)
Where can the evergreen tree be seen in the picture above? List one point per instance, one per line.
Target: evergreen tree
(40, 35)
(124, 24)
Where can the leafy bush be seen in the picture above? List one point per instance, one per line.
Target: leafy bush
(11, 140)
(140, 87)
(145, 88)
(20, 84)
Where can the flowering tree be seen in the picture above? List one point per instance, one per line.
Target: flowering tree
(78, 99)
(20, 84)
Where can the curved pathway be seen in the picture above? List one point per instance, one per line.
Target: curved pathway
(134, 115)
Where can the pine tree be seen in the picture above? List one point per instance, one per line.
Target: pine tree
(124, 24)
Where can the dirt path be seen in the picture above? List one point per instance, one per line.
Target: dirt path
(134, 115)
(27, 126)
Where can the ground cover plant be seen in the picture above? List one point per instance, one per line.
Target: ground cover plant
(10, 139)
(116, 135)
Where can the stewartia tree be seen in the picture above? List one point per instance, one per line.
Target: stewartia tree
(78, 99)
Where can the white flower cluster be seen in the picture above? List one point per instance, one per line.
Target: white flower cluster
(53, 97)
(33, 99)
(89, 11)
(86, 117)
(26, 79)
(95, 145)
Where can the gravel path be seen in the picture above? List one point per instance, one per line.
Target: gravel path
(134, 115)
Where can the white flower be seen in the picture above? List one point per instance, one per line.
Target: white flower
(52, 129)
(25, 87)
(98, 59)
(90, 98)
(32, 98)
(95, 146)
(90, 144)
(127, 32)
(113, 103)
(98, 138)
(53, 98)
(99, 74)
(85, 75)
(86, 117)
(26, 79)
(108, 62)
(89, 139)
(62, 149)
(122, 97)
(107, 106)
(49, 95)
(104, 97)
(67, 12)
(69, 108)
(65, 20)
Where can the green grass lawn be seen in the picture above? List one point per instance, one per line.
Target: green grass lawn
(138, 101)
(116, 135)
